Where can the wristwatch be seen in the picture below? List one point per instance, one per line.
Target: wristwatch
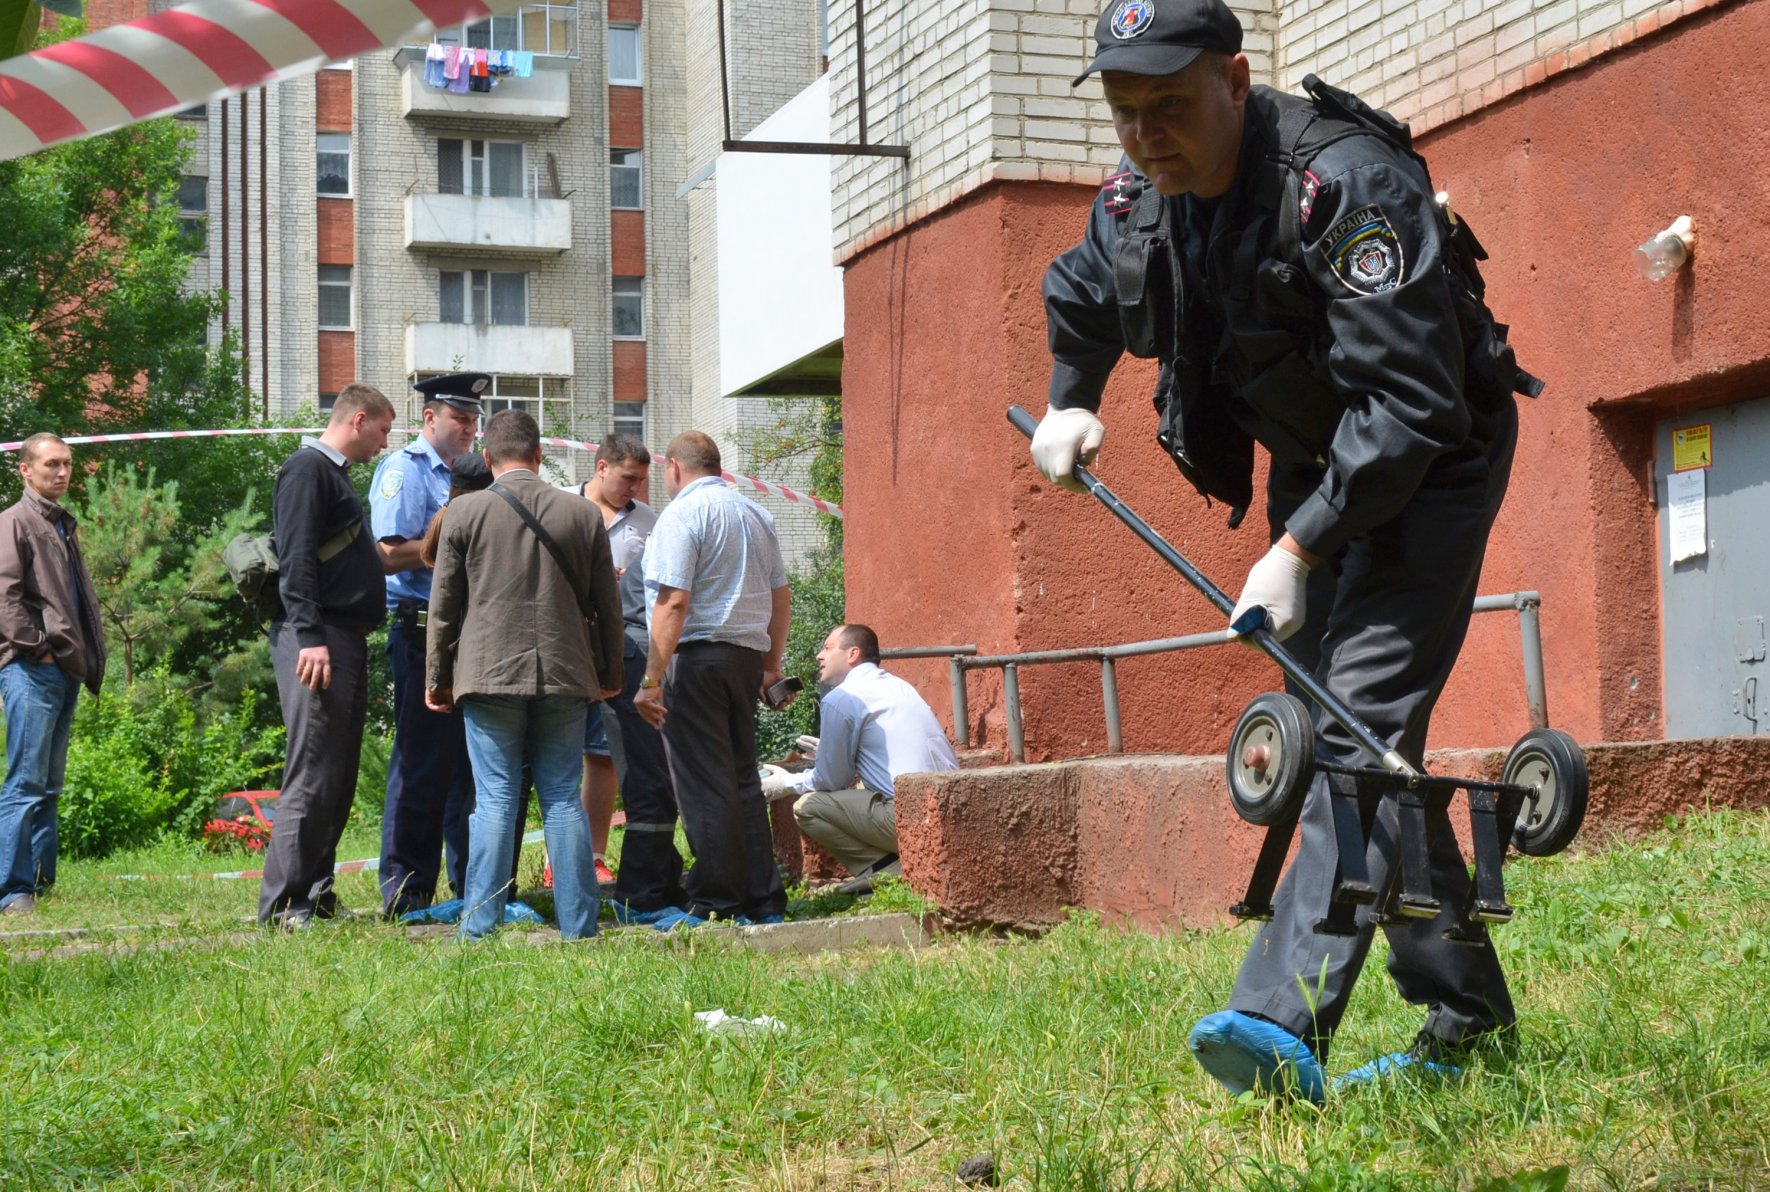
(647, 682)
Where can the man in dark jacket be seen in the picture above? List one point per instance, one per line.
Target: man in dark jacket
(333, 595)
(51, 641)
(1297, 280)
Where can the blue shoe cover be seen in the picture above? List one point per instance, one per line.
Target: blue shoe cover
(677, 918)
(522, 912)
(440, 912)
(1242, 1053)
(450, 912)
(1385, 1066)
(746, 921)
(626, 916)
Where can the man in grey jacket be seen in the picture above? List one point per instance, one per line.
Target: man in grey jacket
(51, 641)
(525, 631)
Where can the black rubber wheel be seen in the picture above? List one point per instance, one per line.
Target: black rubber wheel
(1550, 761)
(1271, 759)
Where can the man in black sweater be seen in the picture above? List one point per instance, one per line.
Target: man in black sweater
(333, 591)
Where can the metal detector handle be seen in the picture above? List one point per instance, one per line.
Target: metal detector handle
(1261, 639)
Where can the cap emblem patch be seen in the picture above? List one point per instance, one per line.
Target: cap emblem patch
(1131, 18)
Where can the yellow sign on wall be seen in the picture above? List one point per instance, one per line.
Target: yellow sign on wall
(1690, 448)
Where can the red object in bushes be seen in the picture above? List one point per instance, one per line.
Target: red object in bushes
(242, 820)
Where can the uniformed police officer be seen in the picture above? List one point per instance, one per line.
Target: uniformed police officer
(429, 779)
(1290, 269)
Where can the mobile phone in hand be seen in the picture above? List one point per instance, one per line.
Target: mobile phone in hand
(779, 693)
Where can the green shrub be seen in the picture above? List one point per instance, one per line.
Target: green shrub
(142, 762)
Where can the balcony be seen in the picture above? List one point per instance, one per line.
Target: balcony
(488, 227)
(548, 31)
(544, 98)
(521, 351)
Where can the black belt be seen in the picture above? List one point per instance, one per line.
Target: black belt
(412, 612)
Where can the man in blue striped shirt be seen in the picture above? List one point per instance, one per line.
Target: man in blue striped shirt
(718, 605)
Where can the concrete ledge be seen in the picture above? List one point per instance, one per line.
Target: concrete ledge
(1151, 840)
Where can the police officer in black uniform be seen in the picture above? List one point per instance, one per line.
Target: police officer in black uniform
(1289, 266)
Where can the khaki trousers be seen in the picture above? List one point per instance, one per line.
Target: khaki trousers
(859, 827)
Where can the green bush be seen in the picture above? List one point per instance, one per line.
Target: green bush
(142, 762)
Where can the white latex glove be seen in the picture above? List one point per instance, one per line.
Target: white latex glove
(1279, 583)
(1063, 439)
(807, 746)
(776, 783)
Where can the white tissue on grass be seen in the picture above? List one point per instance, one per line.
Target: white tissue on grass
(720, 1023)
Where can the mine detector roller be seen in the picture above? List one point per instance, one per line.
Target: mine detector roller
(1538, 803)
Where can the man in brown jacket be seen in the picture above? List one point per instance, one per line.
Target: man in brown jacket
(51, 641)
(525, 632)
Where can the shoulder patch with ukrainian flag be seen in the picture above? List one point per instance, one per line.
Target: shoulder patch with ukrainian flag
(1365, 253)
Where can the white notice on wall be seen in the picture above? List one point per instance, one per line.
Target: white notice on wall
(1686, 508)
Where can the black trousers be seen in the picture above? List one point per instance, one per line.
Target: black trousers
(324, 744)
(429, 785)
(1385, 623)
(711, 689)
(651, 869)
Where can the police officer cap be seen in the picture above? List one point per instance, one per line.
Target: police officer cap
(460, 390)
(1161, 37)
(469, 474)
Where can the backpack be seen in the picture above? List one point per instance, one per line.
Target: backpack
(1334, 115)
(251, 562)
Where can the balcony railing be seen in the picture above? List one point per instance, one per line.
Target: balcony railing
(519, 350)
(487, 226)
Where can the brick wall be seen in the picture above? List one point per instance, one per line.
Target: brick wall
(337, 362)
(982, 92)
(332, 100)
(629, 370)
(336, 223)
(626, 117)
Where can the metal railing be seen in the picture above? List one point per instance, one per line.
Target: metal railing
(961, 659)
(546, 30)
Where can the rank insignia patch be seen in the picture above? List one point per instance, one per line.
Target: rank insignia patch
(1120, 192)
(1365, 253)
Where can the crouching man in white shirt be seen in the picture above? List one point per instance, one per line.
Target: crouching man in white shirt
(873, 727)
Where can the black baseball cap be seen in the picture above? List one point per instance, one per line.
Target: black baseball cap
(461, 390)
(1161, 37)
(469, 473)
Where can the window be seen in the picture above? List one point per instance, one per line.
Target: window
(193, 210)
(528, 394)
(626, 59)
(480, 296)
(497, 33)
(479, 168)
(334, 162)
(335, 297)
(200, 112)
(327, 401)
(347, 64)
(629, 308)
(626, 178)
(630, 419)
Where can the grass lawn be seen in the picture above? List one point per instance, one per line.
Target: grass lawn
(351, 1057)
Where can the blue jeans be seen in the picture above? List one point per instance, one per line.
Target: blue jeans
(40, 699)
(550, 728)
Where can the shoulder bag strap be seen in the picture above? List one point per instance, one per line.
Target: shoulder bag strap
(552, 547)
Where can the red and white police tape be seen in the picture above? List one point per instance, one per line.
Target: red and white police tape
(197, 52)
(372, 865)
(761, 486)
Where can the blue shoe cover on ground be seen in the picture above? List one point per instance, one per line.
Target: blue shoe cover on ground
(1385, 1066)
(676, 917)
(1242, 1053)
(746, 921)
(626, 916)
(450, 912)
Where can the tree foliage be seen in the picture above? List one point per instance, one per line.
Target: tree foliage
(98, 331)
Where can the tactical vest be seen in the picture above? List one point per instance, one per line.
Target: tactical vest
(1272, 352)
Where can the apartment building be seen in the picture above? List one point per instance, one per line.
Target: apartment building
(503, 198)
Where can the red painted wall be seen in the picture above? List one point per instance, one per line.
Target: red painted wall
(952, 537)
